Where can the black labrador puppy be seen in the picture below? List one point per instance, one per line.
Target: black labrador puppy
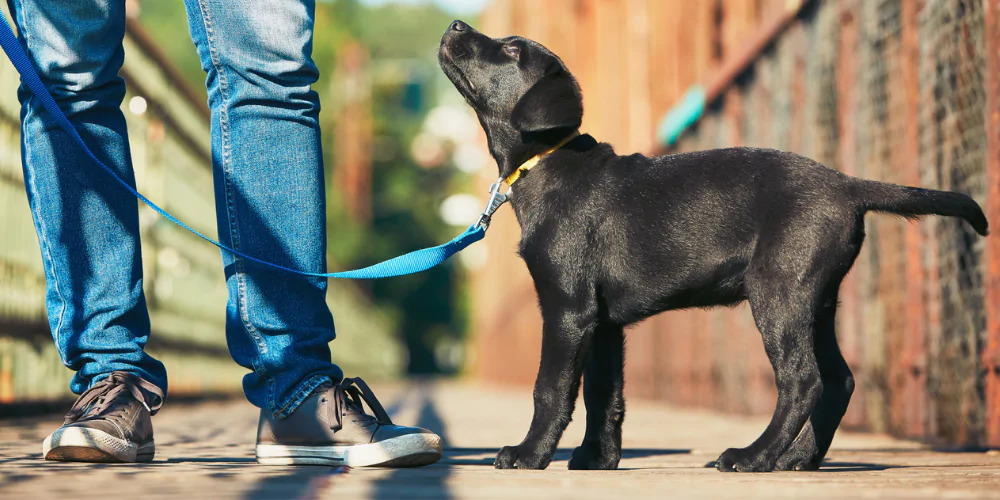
(610, 240)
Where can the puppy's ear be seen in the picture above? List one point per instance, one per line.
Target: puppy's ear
(553, 102)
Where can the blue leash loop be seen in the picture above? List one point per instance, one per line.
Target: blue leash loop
(410, 263)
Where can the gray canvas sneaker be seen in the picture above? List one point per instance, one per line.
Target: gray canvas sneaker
(108, 423)
(331, 428)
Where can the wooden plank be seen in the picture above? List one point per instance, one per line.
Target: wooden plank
(991, 354)
(739, 18)
(588, 69)
(797, 39)
(849, 329)
(611, 86)
(640, 122)
(915, 319)
(890, 164)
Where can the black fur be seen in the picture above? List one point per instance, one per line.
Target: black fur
(610, 240)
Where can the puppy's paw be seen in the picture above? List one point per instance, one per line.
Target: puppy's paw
(743, 460)
(797, 461)
(802, 455)
(512, 457)
(507, 458)
(589, 456)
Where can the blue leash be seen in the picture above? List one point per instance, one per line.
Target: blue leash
(413, 262)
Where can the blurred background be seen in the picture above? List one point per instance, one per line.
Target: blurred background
(897, 90)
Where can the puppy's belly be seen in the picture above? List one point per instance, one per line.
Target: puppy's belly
(646, 294)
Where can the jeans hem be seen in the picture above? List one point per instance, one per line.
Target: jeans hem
(304, 390)
(138, 372)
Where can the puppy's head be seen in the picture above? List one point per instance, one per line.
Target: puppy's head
(524, 95)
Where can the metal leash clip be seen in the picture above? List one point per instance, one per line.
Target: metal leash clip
(496, 200)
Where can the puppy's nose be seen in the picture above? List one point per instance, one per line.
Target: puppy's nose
(459, 26)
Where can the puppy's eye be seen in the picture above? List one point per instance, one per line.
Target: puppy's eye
(512, 50)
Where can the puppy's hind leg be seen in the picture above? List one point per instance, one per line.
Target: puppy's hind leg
(782, 307)
(603, 380)
(808, 450)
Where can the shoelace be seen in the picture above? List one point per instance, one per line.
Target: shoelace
(350, 393)
(106, 394)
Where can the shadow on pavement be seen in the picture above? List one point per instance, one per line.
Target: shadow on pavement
(856, 467)
(454, 456)
(213, 460)
(300, 482)
(840, 467)
(430, 481)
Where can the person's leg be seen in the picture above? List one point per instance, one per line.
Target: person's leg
(270, 204)
(87, 225)
(269, 192)
(88, 230)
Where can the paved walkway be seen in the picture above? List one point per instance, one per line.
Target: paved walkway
(206, 451)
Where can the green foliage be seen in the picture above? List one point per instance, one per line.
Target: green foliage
(402, 41)
(396, 31)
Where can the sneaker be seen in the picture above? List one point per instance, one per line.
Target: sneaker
(331, 428)
(108, 423)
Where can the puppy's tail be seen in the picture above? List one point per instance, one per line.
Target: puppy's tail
(912, 202)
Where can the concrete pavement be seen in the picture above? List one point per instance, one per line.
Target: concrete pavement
(206, 451)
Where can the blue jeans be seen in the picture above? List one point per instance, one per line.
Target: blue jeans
(269, 191)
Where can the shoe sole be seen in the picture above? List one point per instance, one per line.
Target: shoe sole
(82, 444)
(411, 450)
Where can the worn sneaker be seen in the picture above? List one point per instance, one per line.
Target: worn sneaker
(108, 423)
(331, 428)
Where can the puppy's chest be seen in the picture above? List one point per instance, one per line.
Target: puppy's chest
(563, 227)
(563, 245)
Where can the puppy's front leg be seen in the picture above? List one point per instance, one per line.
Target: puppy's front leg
(566, 335)
(603, 382)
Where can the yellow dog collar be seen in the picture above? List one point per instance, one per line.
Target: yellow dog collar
(528, 165)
